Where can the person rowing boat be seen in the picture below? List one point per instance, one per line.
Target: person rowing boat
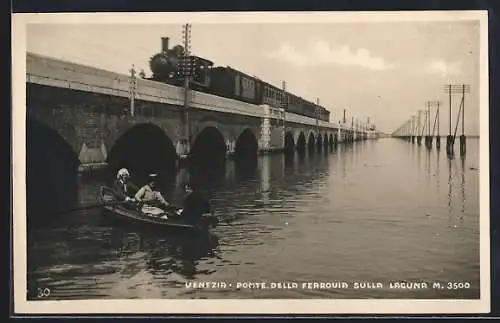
(195, 205)
(152, 202)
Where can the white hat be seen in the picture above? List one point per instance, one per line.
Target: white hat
(122, 172)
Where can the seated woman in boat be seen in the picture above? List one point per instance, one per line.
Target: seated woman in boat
(123, 188)
(153, 203)
(195, 205)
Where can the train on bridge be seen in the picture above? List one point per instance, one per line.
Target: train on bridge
(168, 66)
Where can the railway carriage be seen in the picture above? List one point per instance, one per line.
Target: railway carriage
(167, 66)
(231, 83)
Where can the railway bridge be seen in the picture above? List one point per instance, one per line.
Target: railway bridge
(85, 116)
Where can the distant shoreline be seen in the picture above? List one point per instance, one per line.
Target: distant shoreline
(458, 136)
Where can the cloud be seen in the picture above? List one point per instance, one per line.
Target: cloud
(443, 68)
(322, 53)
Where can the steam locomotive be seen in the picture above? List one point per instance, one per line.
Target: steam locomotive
(169, 66)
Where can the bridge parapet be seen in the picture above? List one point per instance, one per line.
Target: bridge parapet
(53, 72)
(58, 73)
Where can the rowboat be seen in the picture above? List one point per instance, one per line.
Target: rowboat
(132, 215)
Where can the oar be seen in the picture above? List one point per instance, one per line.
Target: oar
(90, 206)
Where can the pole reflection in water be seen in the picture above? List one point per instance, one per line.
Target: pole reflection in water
(450, 187)
(462, 184)
(438, 177)
(428, 167)
(419, 161)
(265, 177)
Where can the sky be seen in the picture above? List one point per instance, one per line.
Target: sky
(384, 71)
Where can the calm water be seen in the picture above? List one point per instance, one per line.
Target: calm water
(376, 212)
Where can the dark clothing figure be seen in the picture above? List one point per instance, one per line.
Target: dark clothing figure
(195, 205)
(124, 189)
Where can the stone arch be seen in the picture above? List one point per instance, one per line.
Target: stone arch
(311, 142)
(116, 129)
(50, 162)
(309, 133)
(319, 142)
(66, 130)
(209, 123)
(246, 145)
(296, 133)
(241, 130)
(246, 151)
(289, 144)
(326, 142)
(207, 160)
(301, 142)
(144, 148)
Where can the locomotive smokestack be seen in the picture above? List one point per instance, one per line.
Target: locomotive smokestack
(164, 44)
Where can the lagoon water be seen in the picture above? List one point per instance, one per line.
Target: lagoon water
(380, 214)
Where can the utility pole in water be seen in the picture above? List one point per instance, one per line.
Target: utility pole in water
(419, 137)
(438, 135)
(450, 142)
(413, 126)
(462, 137)
(352, 129)
(436, 120)
(428, 138)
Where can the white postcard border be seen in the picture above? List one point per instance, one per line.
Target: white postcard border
(233, 306)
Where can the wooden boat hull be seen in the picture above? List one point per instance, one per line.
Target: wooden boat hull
(120, 212)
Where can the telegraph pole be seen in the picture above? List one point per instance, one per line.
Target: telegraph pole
(412, 130)
(185, 136)
(461, 89)
(436, 120)
(462, 137)
(352, 129)
(428, 138)
(133, 88)
(438, 135)
(284, 105)
(317, 113)
(419, 137)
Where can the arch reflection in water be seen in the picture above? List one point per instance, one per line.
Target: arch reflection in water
(319, 142)
(289, 143)
(246, 170)
(326, 143)
(207, 160)
(301, 143)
